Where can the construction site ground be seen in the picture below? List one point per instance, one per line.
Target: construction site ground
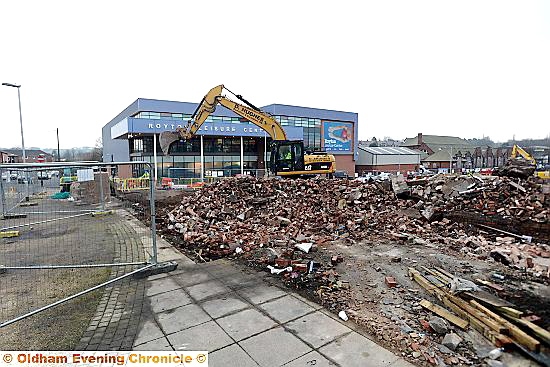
(392, 315)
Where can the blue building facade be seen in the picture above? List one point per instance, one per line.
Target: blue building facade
(229, 144)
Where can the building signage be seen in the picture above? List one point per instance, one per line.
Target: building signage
(144, 126)
(337, 136)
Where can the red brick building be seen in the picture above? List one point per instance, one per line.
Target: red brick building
(33, 156)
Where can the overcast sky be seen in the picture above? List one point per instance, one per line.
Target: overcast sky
(461, 68)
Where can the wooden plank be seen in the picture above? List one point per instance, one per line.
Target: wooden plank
(424, 283)
(487, 298)
(488, 312)
(436, 274)
(496, 287)
(459, 308)
(516, 333)
(511, 311)
(542, 333)
(463, 324)
(444, 272)
(473, 313)
(498, 340)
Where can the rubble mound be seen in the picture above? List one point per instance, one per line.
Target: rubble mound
(248, 212)
(516, 167)
(527, 199)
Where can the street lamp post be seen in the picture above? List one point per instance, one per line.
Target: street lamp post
(22, 138)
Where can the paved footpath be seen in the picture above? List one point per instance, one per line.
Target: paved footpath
(240, 316)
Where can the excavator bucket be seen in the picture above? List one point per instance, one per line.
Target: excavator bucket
(166, 138)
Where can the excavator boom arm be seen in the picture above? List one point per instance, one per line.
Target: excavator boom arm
(208, 106)
(519, 150)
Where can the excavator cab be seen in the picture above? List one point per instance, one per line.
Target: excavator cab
(287, 157)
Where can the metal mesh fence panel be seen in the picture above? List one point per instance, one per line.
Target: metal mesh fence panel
(65, 231)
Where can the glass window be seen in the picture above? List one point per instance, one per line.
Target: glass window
(148, 144)
(136, 145)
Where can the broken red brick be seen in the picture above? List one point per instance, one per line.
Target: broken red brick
(390, 282)
(300, 267)
(283, 263)
(426, 325)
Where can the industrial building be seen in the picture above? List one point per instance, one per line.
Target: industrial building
(226, 143)
(31, 156)
(386, 159)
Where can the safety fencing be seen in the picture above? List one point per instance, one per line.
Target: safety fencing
(63, 233)
(131, 184)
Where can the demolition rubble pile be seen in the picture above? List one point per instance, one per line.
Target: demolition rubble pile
(514, 199)
(274, 220)
(507, 197)
(247, 213)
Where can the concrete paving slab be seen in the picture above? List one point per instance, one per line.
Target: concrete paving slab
(192, 277)
(286, 308)
(317, 329)
(311, 359)
(161, 286)
(238, 279)
(224, 271)
(274, 347)
(232, 355)
(354, 350)
(245, 323)
(148, 330)
(157, 344)
(157, 276)
(182, 318)
(169, 300)
(208, 336)
(224, 305)
(205, 290)
(401, 363)
(261, 293)
(307, 301)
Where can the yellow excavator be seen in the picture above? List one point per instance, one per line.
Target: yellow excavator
(521, 164)
(288, 158)
(518, 152)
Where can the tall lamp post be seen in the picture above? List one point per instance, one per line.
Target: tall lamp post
(22, 138)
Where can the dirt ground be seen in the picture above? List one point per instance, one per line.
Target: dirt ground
(392, 315)
(59, 241)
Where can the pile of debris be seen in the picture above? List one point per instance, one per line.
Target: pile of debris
(472, 306)
(527, 199)
(247, 213)
(266, 219)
